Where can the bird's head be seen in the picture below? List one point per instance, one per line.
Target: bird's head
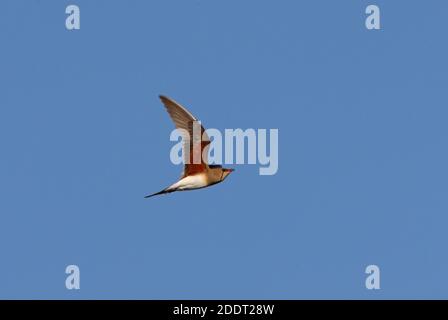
(226, 172)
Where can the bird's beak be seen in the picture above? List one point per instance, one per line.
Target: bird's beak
(231, 170)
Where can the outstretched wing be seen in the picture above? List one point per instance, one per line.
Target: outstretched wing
(184, 120)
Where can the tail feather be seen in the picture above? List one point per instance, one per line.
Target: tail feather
(160, 192)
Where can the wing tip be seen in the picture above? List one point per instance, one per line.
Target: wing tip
(163, 98)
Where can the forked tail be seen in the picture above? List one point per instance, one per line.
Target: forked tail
(160, 192)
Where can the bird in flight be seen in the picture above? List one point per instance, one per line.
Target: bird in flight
(196, 174)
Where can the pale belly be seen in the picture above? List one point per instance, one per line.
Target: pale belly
(190, 182)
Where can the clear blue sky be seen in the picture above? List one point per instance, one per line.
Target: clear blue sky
(362, 119)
